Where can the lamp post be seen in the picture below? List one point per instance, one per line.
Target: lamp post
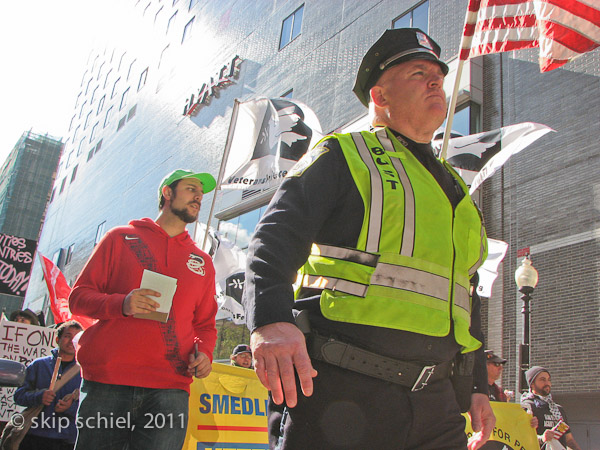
(526, 278)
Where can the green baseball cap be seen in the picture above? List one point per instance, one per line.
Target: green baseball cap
(207, 180)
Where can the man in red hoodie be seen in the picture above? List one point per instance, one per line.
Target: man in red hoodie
(137, 371)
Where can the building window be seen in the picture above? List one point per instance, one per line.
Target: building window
(239, 229)
(157, 14)
(80, 146)
(175, 2)
(52, 196)
(123, 57)
(72, 120)
(100, 232)
(69, 254)
(87, 120)
(292, 25)
(146, 9)
(74, 174)
(98, 146)
(143, 77)
(90, 154)
(171, 22)
(418, 17)
(87, 88)
(131, 113)
(106, 79)
(108, 116)
(82, 108)
(122, 122)
(94, 95)
(93, 133)
(192, 4)
(187, 31)
(62, 185)
(164, 55)
(75, 133)
(114, 89)
(288, 94)
(100, 71)
(130, 69)
(101, 104)
(124, 99)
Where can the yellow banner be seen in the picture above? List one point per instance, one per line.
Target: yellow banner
(513, 429)
(228, 410)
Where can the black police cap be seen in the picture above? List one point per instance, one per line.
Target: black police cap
(393, 47)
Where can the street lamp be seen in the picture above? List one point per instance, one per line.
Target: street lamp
(526, 278)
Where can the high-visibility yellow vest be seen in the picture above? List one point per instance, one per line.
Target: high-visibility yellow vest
(415, 255)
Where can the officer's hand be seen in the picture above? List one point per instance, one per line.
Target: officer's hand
(48, 396)
(482, 420)
(137, 302)
(277, 349)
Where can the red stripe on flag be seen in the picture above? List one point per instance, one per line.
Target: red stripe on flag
(231, 428)
(567, 37)
(504, 46)
(500, 23)
(577, 8)
(506, 2)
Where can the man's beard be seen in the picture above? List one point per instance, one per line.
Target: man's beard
(184, 215)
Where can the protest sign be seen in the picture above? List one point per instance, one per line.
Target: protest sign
(23, 343)
(513, 430)
(228, 409)
(16, 257)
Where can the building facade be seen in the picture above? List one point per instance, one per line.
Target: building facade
(26, 180)
(128, 130)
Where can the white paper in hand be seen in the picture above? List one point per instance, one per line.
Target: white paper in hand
(166, 286)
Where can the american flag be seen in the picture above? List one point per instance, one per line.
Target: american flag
(562, 29)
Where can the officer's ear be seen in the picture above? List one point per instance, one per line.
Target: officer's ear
(378, 96)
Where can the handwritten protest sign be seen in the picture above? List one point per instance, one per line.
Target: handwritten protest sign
(16, 257)
(23, 343)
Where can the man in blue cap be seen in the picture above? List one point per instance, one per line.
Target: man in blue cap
(138, 363)
(380, 344)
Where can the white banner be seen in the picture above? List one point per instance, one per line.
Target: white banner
(268, 137)
(478, 156)
(488, 272)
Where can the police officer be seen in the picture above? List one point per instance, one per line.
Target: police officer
(386, 238)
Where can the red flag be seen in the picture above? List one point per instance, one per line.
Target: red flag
(59, 291)
(562, 29)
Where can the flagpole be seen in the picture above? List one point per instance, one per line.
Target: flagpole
(234, 115)
(465, 43)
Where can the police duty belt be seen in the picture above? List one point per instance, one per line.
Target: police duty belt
(353, 358)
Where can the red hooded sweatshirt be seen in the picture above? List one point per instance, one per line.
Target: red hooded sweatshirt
(140, 352)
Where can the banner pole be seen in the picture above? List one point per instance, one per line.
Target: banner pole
(465, 43)
(230, 132)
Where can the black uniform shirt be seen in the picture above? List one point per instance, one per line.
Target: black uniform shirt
(324, 205)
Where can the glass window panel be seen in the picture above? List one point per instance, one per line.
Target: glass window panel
(286, 31)
(420, 17)
(402, 22)
(297, 22)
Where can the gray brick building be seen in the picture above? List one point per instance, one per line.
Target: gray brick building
(128, 130)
